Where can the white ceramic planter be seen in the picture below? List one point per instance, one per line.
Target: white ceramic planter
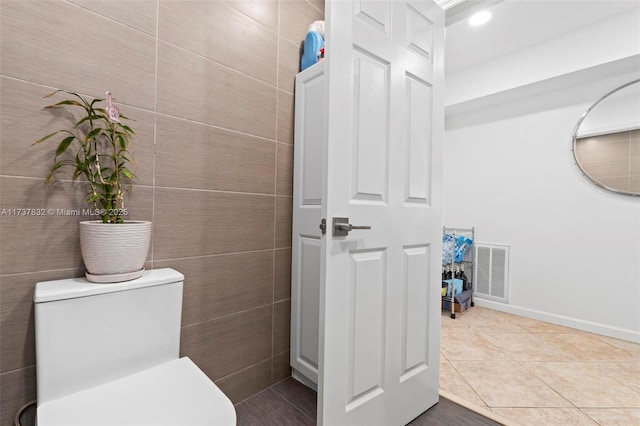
(114, 252)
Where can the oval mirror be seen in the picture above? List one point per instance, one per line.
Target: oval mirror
(606, 140)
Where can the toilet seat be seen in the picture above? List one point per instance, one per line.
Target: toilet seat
(176, 393)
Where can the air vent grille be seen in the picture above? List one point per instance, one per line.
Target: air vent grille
(492, 272)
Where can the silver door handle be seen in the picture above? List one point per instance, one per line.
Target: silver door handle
(349, 227)
(341, 226)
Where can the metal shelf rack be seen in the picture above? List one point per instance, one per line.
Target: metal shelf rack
(467, 262)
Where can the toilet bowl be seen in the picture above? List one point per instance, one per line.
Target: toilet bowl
(108, 354)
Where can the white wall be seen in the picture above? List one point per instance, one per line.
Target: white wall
(604, 42)
(575, 248)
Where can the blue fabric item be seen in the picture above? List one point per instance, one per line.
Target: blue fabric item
(454, 251)
(312, 45)
(447, 248)
(462, 244)
(457, 284)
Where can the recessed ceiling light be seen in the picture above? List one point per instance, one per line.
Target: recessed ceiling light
(480, 18)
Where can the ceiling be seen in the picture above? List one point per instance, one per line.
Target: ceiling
(517, 24)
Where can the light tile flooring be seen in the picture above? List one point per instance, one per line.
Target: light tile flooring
(536, 373)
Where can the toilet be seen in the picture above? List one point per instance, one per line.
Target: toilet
(108, 354)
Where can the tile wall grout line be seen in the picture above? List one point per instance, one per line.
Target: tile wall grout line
(109, 18)
(231, 253)
(17, 369)
(155, 133)
(13, 274)
(152, 186)
(315, 7)
(175, 117)
(202, 256)
(243, 369)
(237, 132)
(49, 87)
(255, 308)
(275, 200)
(228, 67)
(277, 33)
(219, 191)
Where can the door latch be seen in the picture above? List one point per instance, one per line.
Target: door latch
(323, 226)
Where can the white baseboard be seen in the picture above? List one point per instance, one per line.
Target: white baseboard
(592, 327)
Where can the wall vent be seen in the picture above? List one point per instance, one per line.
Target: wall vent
(491, 272)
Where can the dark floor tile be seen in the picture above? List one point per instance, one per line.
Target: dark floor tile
(290, 403)
(303, 398)
(269, 408)
(447, 413)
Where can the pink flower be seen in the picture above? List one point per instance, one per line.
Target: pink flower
(112, 110)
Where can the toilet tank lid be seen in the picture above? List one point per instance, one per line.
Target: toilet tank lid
(71, 288)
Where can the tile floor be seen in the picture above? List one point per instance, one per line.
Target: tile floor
(289, 403)
(536, 373)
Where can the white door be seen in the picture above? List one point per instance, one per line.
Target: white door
(310, 135)
(382, 167)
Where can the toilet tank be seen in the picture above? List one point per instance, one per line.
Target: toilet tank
(89, 334)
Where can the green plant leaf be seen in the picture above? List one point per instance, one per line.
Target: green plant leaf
(87, 118)
(127, 129)
(79, 163)
(47, 137)
(61, 90)
(51, 94)
(92, 134)
(123, 142)
(49, 178)
(53, 170)
(65, 102)
(128, 173)
(64, 145)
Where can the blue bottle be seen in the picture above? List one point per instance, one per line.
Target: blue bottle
(313, 43)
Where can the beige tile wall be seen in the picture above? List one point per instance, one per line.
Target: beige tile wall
(613, 160)
(210, 85)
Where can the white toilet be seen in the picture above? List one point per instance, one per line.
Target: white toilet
(108, 354)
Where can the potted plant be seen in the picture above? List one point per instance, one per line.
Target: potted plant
(99, 149)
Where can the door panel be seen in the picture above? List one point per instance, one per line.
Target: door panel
(310, 133)
(377, 14)
(415, 336)
(367, 289)
(419, 33)
(418, 165)
(371, 129)
(382, 167)
(307, 338)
